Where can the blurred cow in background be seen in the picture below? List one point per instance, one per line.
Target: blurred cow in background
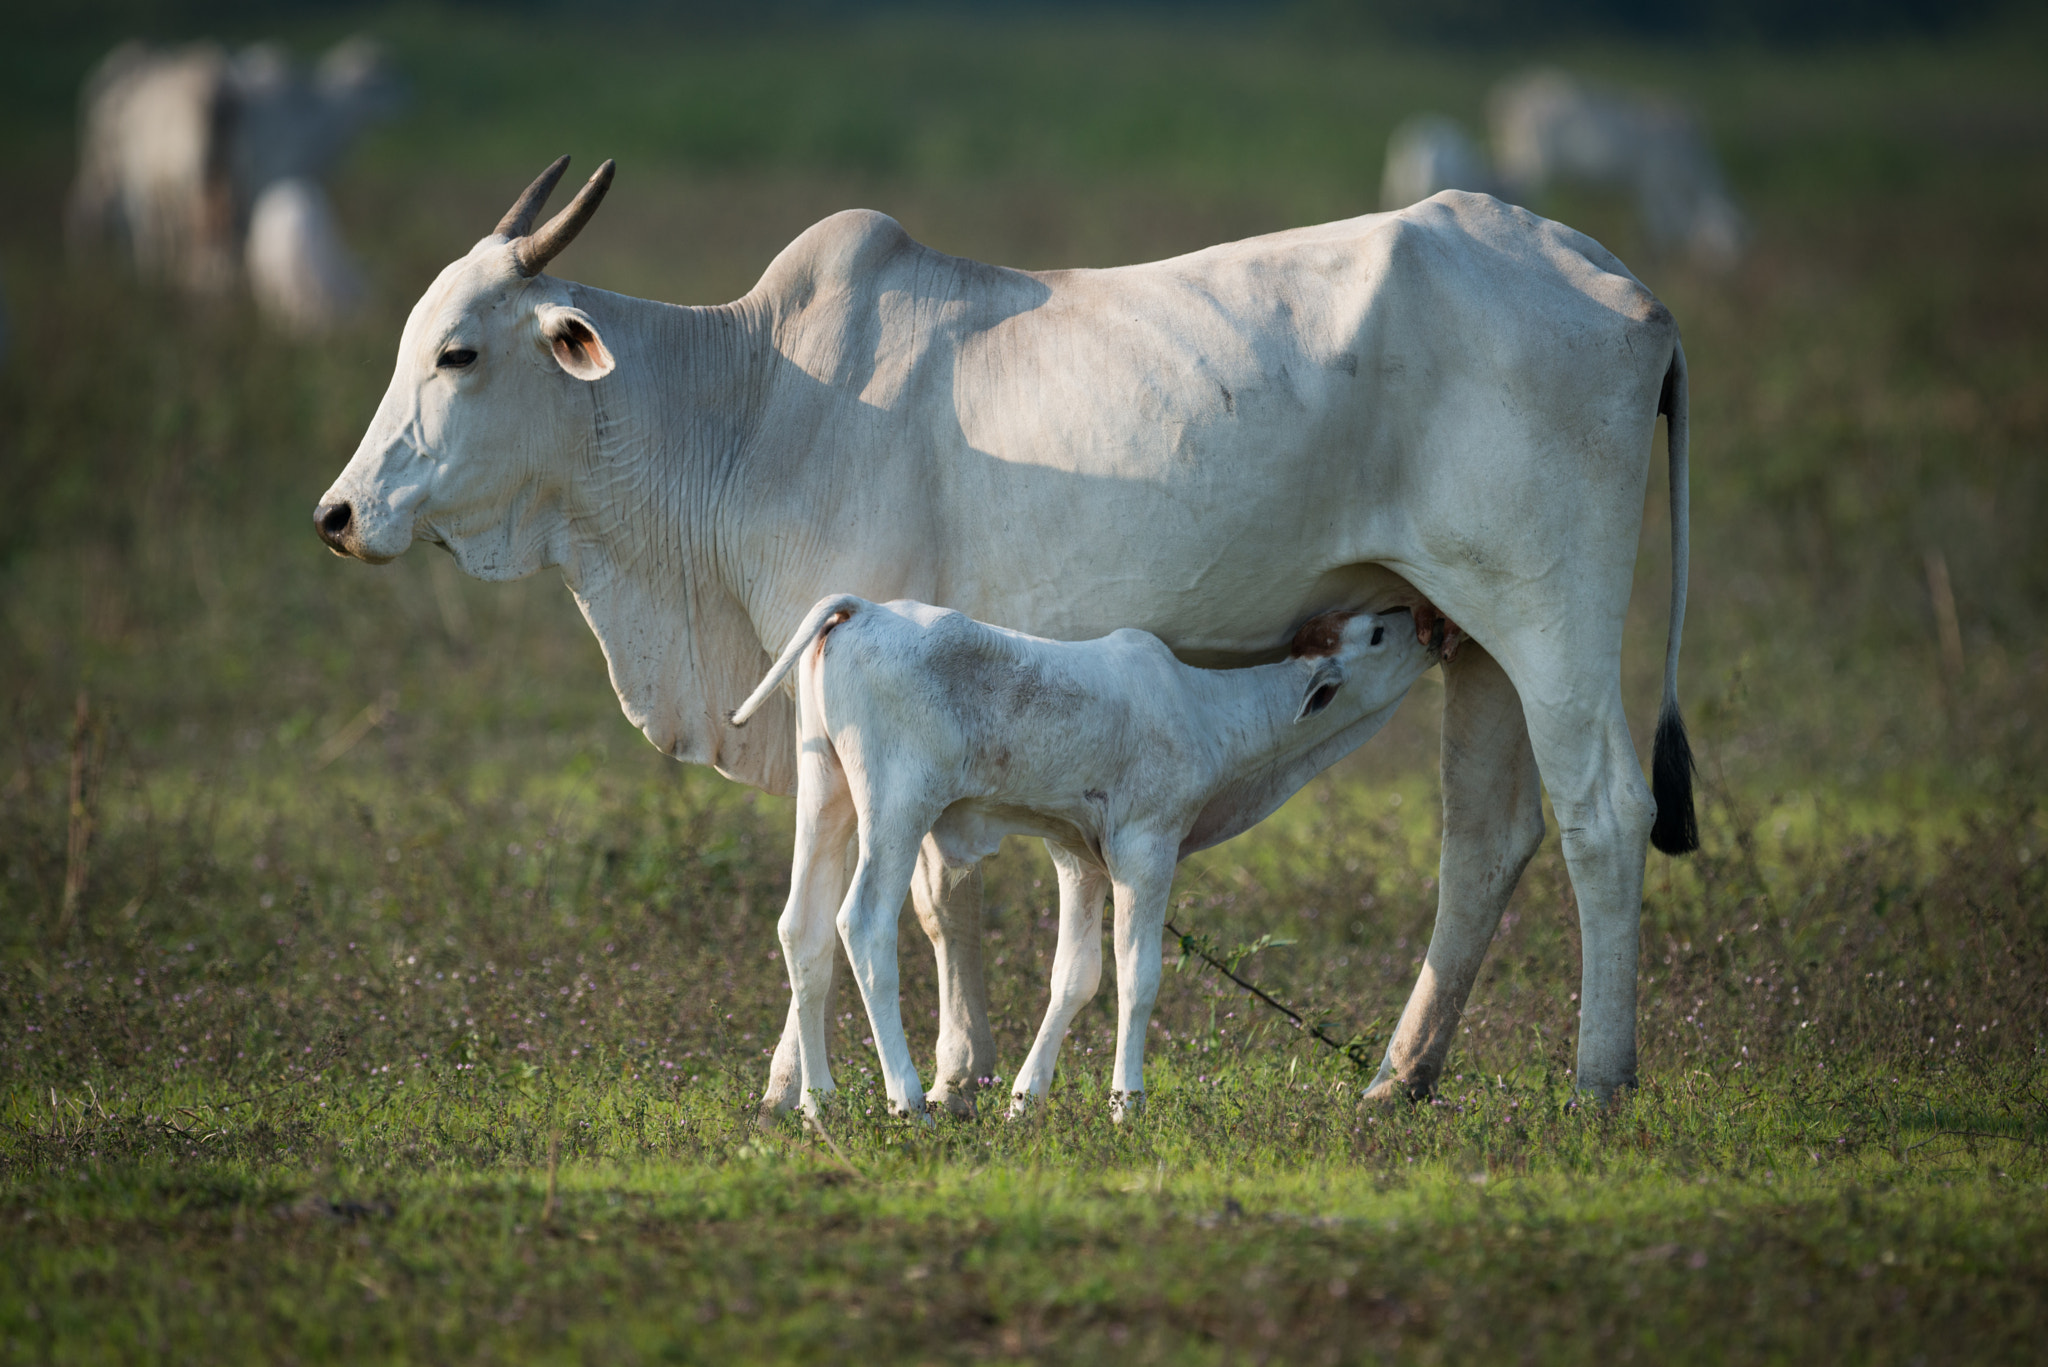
(1428, 153)
(293, 124)
(299, 270)
(1550, 129)
(180, 149)
(155, 141)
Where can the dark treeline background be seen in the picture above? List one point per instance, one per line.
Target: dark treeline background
(1458, 22)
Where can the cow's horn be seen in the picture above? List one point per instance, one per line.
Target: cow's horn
(518, 220)
(534, 253)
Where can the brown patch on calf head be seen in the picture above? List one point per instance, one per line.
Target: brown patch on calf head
(1320, 635)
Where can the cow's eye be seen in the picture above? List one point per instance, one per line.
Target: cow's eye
(1377, 633)
(455, 358)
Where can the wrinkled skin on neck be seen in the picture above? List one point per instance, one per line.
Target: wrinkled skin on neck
(512, 438)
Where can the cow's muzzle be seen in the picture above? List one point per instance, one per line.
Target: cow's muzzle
(332, 522)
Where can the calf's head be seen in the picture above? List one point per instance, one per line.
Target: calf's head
(1374, 657)
(488, 402)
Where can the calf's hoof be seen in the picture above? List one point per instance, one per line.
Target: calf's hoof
(920, 1113)
(1126, 1106)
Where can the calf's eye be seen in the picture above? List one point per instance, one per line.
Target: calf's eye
(455, 358)
(1377, 633)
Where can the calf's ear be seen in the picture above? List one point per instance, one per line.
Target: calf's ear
(573, 340)
(1322, 687)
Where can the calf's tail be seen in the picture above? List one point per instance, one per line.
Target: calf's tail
(829, 613)
(1677, 829)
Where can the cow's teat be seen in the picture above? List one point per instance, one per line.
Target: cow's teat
(1438, 632)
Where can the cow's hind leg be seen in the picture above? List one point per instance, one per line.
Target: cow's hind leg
(1493, 822)
(948, 903)
(1076, 970)
(1604, 814)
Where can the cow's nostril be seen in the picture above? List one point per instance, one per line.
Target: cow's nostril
(331, 520)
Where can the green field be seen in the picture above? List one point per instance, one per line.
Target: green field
(405, 1005)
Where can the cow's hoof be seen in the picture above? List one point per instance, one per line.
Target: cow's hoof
(955, 1098)
(1394, 1094)
(1593, 1096)
(1126, 1106)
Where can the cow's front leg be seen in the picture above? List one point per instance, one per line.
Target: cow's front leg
(948, 903)
(1493, 822)
(1143, 883)
(1076, 970)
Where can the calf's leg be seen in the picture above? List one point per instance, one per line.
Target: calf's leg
(1143, 882)
(824, 825)
(948, 903)
(889, 841)
(1493, 822)
(785, 1070)
(1076, 970)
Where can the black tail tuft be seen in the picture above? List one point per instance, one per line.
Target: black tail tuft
(1677, 829)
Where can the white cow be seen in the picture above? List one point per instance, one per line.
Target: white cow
(300, 271)
(1551, 129)
(154, 164)
(915, 719)
(294, 124)
(1453, 403)
(179, 147)
(1429, 153)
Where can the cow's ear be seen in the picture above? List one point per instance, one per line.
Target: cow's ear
(573, 340)
(1322, 687)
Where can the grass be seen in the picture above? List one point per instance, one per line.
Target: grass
(672, 1238)
(408, 1006)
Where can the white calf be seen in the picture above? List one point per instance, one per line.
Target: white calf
(1124, 759)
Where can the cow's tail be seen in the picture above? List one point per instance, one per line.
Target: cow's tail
(1677, 829)
(829, 613)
